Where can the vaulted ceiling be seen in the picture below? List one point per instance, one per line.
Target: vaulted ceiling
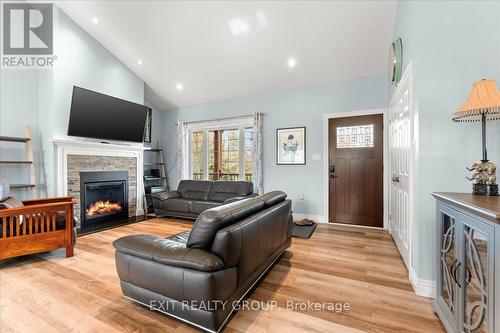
(199, 51)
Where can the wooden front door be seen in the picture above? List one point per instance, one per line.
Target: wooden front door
(355, 175)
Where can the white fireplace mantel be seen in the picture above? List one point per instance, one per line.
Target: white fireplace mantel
(66, 146)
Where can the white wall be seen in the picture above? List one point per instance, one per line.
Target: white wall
(295, 107)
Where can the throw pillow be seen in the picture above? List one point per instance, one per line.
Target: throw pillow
(4, 188)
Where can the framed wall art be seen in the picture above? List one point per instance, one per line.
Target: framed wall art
(291, 146)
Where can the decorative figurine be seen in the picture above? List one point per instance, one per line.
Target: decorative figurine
(484, 178)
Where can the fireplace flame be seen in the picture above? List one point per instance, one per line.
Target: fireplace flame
(103, 207)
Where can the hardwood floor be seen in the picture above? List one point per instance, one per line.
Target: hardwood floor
(51, 293)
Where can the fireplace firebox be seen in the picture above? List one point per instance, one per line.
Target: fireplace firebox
(103, 199)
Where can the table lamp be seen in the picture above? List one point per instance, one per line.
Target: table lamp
(483, 104)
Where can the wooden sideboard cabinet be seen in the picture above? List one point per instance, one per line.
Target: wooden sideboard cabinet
(468, 262)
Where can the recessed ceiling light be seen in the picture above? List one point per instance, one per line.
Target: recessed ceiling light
(95, 20)
(291, 62)
(179, 86)
(139, 62)
(239, 25)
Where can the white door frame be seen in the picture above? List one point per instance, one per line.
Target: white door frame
(326, 117)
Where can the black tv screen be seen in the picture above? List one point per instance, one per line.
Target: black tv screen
(95, 115)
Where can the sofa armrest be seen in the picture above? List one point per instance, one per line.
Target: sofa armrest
(168, 252)
(166, 195)
(234, 199)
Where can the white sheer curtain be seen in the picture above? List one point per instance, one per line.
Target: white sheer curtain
(181, 151)
(258, 152)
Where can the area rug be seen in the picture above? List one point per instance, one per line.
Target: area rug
(303, 231)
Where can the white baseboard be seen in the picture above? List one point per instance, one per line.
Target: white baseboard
(315, 218)
(425, 288)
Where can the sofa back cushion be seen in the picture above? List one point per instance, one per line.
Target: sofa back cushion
(249, 242)
(194, 189)
(210, 221)
(272, 198)
(223, 190)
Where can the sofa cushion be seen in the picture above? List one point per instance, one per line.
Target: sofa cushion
(4, 188)
(210, 221)
(181, 237)
(177, 204)
(168, 251)
(223, 190)
(166, 195)
(198, 207)
(194, 189)
(234, 199)
(272, 198)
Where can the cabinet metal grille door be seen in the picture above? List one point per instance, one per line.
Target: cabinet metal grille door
(400, 150)
(448, 262)
(476, 281)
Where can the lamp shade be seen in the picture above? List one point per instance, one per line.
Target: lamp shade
(483, 99)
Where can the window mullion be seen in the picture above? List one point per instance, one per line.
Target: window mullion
(242, 153)
(189, 158)
(205, 154)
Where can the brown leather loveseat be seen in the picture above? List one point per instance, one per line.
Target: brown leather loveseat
(199, 276)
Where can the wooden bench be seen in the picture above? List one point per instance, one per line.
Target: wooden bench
(35, 227)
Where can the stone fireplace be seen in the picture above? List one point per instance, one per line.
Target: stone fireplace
(111, 172)
(83, 164)
(103, 198)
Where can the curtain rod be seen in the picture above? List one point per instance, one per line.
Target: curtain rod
(219, 119)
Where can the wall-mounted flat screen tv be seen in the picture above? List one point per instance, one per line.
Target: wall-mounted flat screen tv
(99, 116)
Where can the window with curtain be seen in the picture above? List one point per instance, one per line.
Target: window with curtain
(197, 155)
(221, 153)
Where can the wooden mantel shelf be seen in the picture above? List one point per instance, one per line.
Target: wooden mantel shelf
(483, 205)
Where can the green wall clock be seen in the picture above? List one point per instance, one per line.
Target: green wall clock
(395, 61)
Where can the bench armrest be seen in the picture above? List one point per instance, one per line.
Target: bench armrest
(47, 200)
(168, 252)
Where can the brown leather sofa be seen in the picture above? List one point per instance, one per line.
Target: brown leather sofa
(195, 196)
(199, 276)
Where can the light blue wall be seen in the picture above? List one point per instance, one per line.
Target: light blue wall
(42, 97)
(296, 107)
(84, 62)
(19, 104)
(157, 123)
(451, 45)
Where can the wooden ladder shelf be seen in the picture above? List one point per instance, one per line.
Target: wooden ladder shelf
(29, 161)
(154, 181)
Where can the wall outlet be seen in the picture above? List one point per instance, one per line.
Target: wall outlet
(301, 197)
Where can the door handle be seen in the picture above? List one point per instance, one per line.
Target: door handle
(395, 179)
(332, 171)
